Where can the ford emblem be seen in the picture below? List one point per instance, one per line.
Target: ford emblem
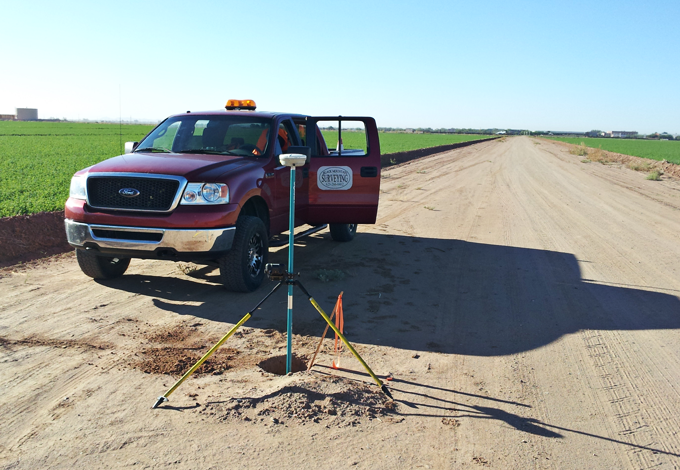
(128, 192)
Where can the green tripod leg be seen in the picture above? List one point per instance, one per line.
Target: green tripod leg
(344, 340)
(164, 398)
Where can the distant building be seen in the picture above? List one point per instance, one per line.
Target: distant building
(27, 114)
(595, 134)
(624, 134)
(7, 117)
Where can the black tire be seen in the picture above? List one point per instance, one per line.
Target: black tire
(101, 267)
(242, 268)
(343, 232)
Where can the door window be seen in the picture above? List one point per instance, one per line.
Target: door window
(344, 137)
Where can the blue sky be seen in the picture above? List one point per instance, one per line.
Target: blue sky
(569, 65)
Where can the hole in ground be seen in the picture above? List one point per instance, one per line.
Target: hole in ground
(277, 364)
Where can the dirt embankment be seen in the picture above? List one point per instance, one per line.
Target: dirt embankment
(26, 237)
(390, 159)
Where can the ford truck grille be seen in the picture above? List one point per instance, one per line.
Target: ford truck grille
(155, 194)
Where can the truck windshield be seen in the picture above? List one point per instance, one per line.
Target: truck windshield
(222, 135)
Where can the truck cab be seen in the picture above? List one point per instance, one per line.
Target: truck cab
(208, 187)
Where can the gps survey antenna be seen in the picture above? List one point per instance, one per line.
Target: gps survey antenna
(291, 160)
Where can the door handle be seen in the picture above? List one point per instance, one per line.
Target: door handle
(369, 171)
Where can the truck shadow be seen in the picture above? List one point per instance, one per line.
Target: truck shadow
(425, 294)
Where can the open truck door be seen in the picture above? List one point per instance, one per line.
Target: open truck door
(344, 170)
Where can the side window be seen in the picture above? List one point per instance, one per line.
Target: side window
(345, 137)
(301, 126)
(285, 138)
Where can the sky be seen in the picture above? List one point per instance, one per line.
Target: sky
(549, 65)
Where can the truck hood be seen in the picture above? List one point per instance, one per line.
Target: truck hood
(198, 167)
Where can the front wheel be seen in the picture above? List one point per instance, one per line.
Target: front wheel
(101, 267)
(343, 232)
(242, 268)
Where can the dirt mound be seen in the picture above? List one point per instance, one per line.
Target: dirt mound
(175, 334)
(180, 347)
(309, 398)
(176, 361)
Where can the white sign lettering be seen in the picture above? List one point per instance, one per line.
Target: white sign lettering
(334, 178)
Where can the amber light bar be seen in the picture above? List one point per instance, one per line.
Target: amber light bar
(240, 104)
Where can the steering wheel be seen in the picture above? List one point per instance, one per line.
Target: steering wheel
(250, 148)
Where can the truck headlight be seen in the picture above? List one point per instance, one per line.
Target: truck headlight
(78, 188)
(206, 193)
(211, 192)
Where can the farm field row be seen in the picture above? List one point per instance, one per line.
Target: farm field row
(659, 150)
(37, 159)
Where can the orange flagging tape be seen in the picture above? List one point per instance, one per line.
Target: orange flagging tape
(340, 325)
(335, 309)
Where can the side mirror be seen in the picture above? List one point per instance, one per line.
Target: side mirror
(130, 146)
(298, 149)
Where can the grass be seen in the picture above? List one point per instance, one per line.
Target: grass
(659, 150)
(37, 160)
(654, 176)
(640, 166)
(580, 150)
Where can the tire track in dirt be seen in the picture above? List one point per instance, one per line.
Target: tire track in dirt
(618, 382)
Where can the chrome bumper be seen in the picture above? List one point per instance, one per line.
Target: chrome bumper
(181, 240)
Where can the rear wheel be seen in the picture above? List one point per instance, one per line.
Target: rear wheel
(343, 232)
(242, 268)
(101, 267)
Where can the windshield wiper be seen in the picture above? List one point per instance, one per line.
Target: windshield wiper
(154, 149)
(206, 151)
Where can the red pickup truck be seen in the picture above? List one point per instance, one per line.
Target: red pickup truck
(208, 187)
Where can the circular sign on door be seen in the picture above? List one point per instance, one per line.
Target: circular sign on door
(334, 178)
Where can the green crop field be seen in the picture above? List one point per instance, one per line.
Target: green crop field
(37, 159)
(668, 150)
(393, 142)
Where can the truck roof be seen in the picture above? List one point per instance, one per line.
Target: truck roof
(260, 114)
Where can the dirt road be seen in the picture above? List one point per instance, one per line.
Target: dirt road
(526, 304)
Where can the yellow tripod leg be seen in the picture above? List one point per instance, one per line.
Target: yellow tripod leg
(210, 352)
(349, 346)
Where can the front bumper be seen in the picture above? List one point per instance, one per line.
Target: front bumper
(107, 238)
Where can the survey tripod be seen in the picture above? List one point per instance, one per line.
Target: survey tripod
(284, 276)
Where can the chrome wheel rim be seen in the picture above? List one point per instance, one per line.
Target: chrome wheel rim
(255, 255)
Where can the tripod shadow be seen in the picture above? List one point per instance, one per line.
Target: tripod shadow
(436, 407)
